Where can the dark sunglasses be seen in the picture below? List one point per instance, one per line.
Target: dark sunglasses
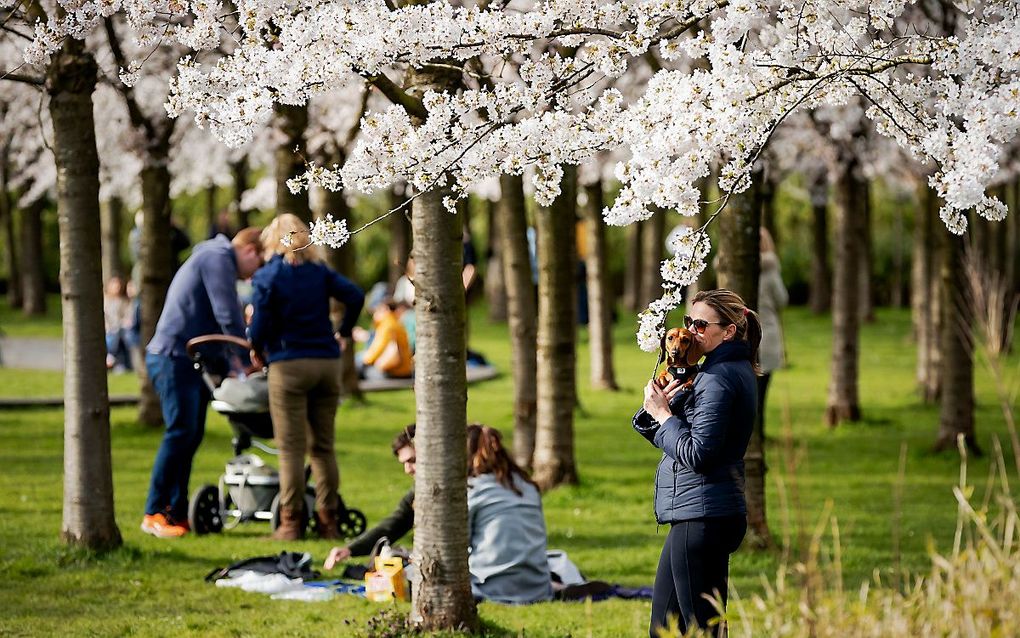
(699, 325)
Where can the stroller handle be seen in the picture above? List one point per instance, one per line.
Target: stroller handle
(193, 344)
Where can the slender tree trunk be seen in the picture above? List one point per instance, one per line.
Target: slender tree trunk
(767, 194)
(865, 296)
(400, 238)
(239, 176)
(511, 217)
(33, 275)
(343, 261)
(443, 598)
(897, 278)
(88, 516)
(495, 282)
(633, 268)
(600, 298)
(653, 247)
(843, 403)
(210, 208)
(14, 298)
(112, 223)
(821, 275)
(157, 263)
(738, 270)
(557, 337)
(290, 154)
(956, 416)
(1013, 238)
(926, 297)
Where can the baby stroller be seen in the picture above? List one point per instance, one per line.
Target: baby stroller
(248, 490)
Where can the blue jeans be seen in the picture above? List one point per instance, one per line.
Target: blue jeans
(183, 397)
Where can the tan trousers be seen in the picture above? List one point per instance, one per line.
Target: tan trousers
(303, 397)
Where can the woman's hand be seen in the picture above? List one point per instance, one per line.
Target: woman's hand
(336, 555)
(657, 400)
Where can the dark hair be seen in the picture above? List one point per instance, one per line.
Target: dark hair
(486, 455)
(732, 310)
(404, 439)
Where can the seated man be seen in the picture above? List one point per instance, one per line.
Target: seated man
(397, 524)
(389, 354)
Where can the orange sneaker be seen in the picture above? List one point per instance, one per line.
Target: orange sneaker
(161, 527)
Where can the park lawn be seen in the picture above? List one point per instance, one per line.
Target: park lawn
(154, 587)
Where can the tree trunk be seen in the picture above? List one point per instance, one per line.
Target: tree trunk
(1013, 238)
(557, 334)
(600, 298)
(112, 223)
(896, 280)
(495, 283)
(653, 247)
(400, 239)
(33, 275)
(88, 515)
(14, 298)
(633, 269)
(956, 415)
(767, 195)
(157, 264)
(511, 217)
(239, 175)
(290, 123)
(343, 261)
(865, 296)
(443, 598)
(926, 297)
(738, 269)
(843, 403)
(821, 276)
(210, 208)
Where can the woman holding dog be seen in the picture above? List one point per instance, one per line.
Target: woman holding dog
(699, 485)
(291, 331)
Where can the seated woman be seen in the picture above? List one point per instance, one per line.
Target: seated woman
(389, 354)
(506, 527)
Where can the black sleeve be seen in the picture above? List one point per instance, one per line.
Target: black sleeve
(394, 527)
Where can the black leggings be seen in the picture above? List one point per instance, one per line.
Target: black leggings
(695, 560)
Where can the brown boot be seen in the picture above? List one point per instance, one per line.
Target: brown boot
(327, 523)
(291, 528)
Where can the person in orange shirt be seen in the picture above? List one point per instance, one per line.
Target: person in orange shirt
(389, 354)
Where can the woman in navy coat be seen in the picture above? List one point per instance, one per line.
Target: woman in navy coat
(699, 485)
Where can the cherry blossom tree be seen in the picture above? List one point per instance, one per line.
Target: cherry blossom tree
(508, 85)
(69, 77)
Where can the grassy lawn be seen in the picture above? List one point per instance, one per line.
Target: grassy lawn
(152, 587)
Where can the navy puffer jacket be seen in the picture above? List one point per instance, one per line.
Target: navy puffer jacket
(701, 473)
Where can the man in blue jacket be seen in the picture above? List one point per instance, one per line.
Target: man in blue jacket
(202, 299)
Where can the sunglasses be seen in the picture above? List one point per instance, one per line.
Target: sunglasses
(699, 325)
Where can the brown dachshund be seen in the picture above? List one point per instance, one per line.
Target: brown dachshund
(681, 352)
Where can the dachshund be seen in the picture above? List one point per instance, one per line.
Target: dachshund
(681, 352)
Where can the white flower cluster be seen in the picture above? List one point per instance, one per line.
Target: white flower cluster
(329, 232)
(535, 88)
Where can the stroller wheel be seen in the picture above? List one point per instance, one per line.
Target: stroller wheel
(204, 512)
(351, 523)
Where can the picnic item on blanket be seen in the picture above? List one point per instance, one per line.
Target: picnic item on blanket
(387, 582)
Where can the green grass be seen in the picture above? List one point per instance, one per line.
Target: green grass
(154, 587)
(15, 324)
